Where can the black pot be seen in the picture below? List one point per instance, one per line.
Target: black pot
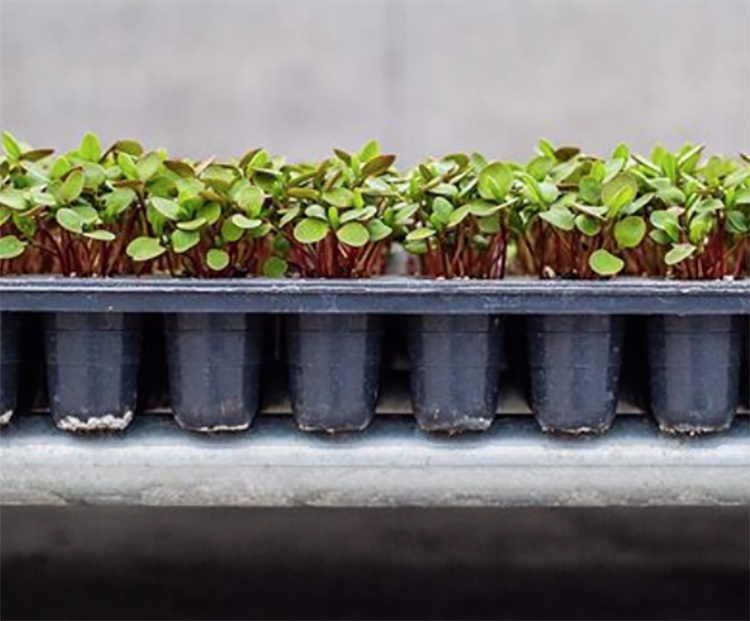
(574, 363)
(334, 370)
(9, 356)
(745, 381)
(214, 366)
(695, 371)
(92, 369)
(456, 362)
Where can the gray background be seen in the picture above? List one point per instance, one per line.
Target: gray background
(424, 77)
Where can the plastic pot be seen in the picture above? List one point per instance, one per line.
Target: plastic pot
(456, 362)
(574, 364)
(695, 371)
(745, 369)
(92, 369)
(334, 370)
(9, 359)
(214, 365)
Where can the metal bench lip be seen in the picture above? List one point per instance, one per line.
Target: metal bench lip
(391, 464)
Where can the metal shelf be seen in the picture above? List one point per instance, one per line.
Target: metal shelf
(391, 464)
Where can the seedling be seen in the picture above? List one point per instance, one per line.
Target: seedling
(460, 207)
(336, 216)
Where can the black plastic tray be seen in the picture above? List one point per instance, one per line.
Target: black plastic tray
(388, 295)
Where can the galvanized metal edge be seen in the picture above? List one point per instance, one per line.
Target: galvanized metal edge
(391, 464)
(394, 295)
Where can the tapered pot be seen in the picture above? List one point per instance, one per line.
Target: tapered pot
(214, 366)
(455, 363)
(334, 370)
(574, 365)
(92, 369)
(9, 360)
(694, 365)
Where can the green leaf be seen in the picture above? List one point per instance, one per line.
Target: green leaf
(483, 209)
(310, 230)
(619, 192)
(11, 146)
(353, 234)
(495, 181)
(540, 167)
(587, 225)
(73, 186)
(100, 235)
(230, 232)
(742, 197)
(630, 231)
(605, 263)
(69, 220)
(27, 226)
(559, 218)
(182, 241)
(369, 151)
(358, 214)
(91, 148)
(659, 236)
(148, 166)
(622, 152)
(700, 227)
(405, 211)
(458, 216)
(638, 204)
(274, 267)
(127, 166)
(666, 221)
(13, 199)
(167, 208)
(118, 200)
(590, 190)
(612, 168)
(444, 189)
(192, 225)
(39, 197)
(131, 147)
(145, 249)
(86, 214)
(36, 154)
(545, 147)
(93, 175)
(217, 259)
(671, 196)
(183, 169)
(250, 200)
(288, 216)
(669, 166)
(317, 211)
(378, 165)
(489, 224)
(211, 212)
(378, 230)
(10, 246)
(339, 197)
(244, 222)
(679, 252)
(599, 213)
(442, 208)
(419, 234)
(737, 222)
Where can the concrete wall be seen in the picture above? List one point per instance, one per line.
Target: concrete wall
(426, 77)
